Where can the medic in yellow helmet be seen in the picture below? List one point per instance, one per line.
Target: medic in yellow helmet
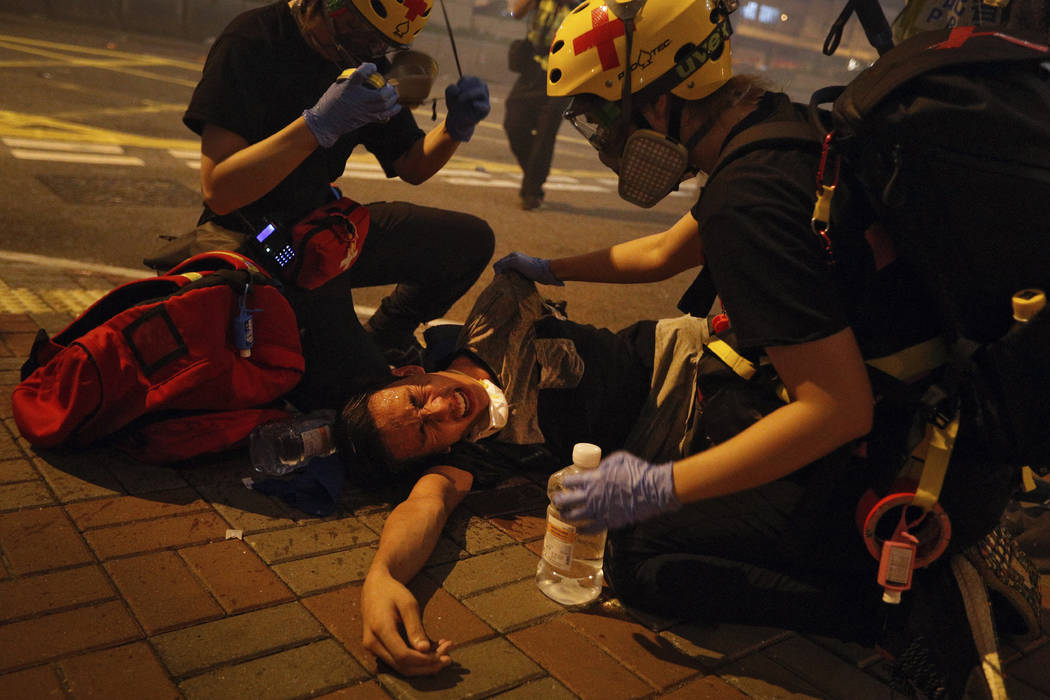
(679, 49)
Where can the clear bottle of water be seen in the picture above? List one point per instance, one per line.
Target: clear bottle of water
(282, 446)
(570, 571)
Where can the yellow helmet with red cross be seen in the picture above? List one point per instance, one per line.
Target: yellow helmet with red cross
(398, 20)
(677, 46)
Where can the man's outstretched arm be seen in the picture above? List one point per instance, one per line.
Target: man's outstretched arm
(409, 537)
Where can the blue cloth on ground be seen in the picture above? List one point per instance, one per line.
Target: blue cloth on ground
(313, 489)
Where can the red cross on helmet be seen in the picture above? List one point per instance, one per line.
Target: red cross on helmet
(681, 46)
(398, 20)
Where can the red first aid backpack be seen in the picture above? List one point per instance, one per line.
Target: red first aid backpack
(154, 364)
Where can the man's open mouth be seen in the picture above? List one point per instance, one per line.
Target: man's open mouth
(462, 403)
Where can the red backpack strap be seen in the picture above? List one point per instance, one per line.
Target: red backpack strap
(217, 260)
(178, 437)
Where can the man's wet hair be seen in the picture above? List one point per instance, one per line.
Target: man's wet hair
(358, 440)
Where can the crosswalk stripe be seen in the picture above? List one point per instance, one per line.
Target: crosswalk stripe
(42, 145)
(461, 172)
(567, 187)
(476, 183)
(96, 158)
(362, 175)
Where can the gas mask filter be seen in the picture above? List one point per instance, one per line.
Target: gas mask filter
(650, 167)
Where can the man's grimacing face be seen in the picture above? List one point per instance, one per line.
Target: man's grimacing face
(424, 414)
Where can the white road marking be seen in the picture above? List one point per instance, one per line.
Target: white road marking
(190, 157)
(94, 158)
(566, 187)
(476, 183)
(68, 146)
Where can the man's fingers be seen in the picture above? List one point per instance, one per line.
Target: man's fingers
(407, 661)
(380, 652)
(409, 613)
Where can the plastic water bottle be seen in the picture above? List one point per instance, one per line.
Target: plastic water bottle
(570, 571)
(282, 446)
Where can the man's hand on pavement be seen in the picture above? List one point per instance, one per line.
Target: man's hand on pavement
(536, 269)
(387, 606)
(349, 104)
(624, 489)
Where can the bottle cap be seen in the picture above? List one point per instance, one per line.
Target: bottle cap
(586, 455)
(1027, 303)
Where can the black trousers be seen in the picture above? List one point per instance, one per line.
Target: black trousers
(788, 553)
(531, 121)
(432, 255)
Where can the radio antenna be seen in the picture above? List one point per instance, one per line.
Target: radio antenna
(452, 39)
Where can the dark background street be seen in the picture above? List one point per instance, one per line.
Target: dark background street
(98, 164)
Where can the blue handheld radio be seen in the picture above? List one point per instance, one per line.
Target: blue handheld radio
(275, 247)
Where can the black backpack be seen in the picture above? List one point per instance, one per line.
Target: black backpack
(947, 135)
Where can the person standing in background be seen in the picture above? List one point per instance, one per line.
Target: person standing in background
(532, 118)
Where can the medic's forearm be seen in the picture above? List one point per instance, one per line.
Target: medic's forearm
(231, 179)
(831, 406)
(427, 156)
(648, 259)
(780, 443)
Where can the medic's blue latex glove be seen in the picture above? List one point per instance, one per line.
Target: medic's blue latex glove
(468, 103)
(536, 269)
(624, 489)
(349, 104)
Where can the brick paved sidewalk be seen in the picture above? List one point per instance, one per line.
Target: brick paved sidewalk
(121, 580)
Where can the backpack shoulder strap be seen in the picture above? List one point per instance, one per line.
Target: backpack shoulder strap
(795, 134)
(216, 260)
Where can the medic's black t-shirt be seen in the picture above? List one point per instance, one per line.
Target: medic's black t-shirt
(771, 270)
(259, 77)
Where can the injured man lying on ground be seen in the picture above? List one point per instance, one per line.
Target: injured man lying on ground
(520, 386)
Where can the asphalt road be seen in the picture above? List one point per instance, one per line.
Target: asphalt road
(97, 166)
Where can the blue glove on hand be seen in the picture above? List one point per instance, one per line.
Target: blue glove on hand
(349, 104)
(624, 489)
(468, 103)
(535, 269)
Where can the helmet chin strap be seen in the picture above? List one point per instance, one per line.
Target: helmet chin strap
(674, 129)
(626, 11)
